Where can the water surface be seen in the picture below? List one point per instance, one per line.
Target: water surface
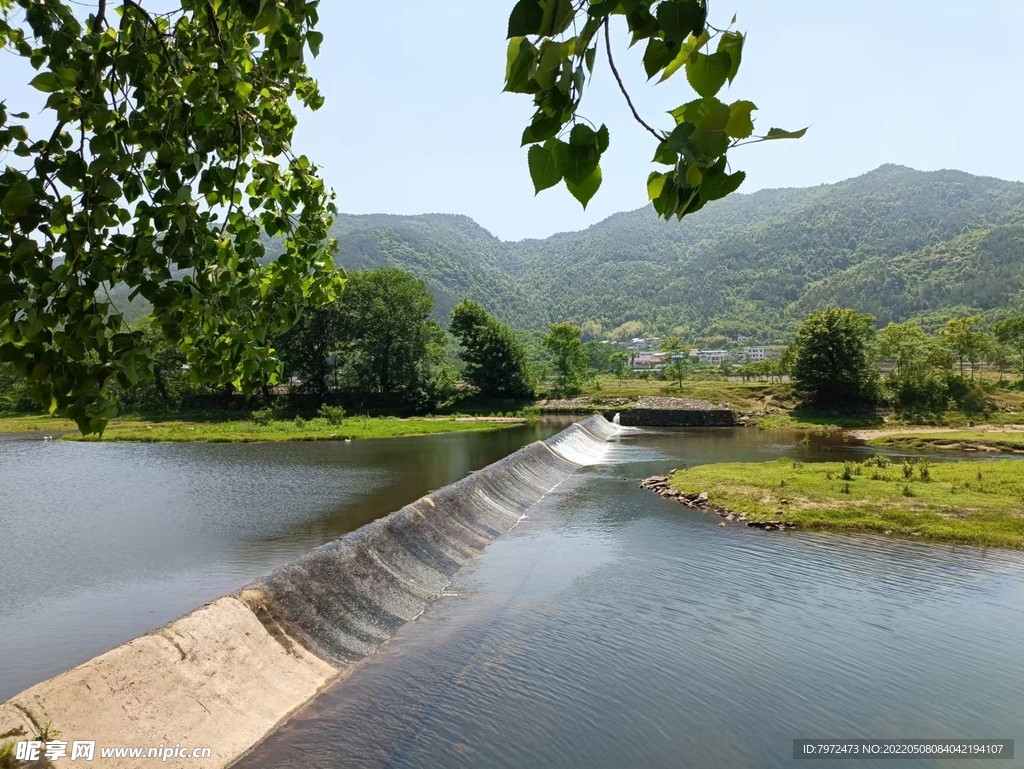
(105, 541)
(618, 629)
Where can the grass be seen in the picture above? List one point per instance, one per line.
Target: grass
(969, 502)
(246, 431)
(983, 440)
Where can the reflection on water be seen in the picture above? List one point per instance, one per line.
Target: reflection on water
(618, 629)
(103, 542)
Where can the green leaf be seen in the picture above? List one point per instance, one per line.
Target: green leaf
(549, 65)
(679, 141)
(732, 44)
(558, 14)
(108, 188)
(666, 155)
(243, 89)
(576, 162)
(693, 176)
(740, 125)
(778, 133)
(542, 128)
(680, 18)
(525, 19)
(17, 200)
(46, 82)
(707, 74)
(585, 190)
(315, 40)
(685, 51)
(656, 57)
(642, 24)
(715, 187)
(655, 185)
(543, 168)
(710, 118)
(522, 56)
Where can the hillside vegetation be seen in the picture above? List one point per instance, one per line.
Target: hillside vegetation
(895, 242)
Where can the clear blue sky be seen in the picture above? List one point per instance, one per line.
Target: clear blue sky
(415, 120)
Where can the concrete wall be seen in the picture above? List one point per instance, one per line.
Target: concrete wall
(226, 674)
(676, 418)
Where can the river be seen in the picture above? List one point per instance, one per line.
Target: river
(612, 628)
(617, 629)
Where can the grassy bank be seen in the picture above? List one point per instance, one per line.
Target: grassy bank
(994, 439)
(970, 502)
(246, 431)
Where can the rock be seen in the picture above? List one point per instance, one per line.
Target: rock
(722, 524)
(702, 497)
(783, 501)
(730, 517)
(887, 531)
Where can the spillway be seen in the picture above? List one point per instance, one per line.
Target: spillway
(227, 673)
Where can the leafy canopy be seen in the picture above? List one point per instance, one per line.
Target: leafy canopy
(564, 342)
(163, 162)
(552, 49)
(832, 365)
(495, 359)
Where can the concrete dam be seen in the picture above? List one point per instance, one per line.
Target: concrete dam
(226, 674)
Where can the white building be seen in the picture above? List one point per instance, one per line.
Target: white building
(716, 357)
(756, 353)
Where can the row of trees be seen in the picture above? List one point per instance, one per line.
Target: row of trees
(377, 346)
(836, 356)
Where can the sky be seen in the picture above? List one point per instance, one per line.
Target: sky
(415, 120)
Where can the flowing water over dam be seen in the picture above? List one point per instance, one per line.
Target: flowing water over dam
(613, 628)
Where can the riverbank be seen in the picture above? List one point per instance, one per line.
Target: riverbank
(226, 430)
(988, 438)
(978, 504)
(771, 405)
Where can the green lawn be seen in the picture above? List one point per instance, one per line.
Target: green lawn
(246, 431)
(984, 440)
(971, 502)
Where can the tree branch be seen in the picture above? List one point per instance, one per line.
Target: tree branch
(100, 19)
(615, 72)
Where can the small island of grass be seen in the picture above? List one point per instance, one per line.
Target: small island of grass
(238, 430)
(969, 502)
(1006, 439)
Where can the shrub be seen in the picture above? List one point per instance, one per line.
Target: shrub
(908, 469)
(848, 471)
(262, 416)
(334, 415)
(907, 491)
(924, 472)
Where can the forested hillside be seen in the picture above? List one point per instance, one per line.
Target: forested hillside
(895, 242)
(455, 256)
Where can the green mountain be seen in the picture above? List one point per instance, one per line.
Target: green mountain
(896, 242)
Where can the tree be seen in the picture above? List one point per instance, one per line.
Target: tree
(620, 360)
(309, 349)
(677, 357)
(965, 341)
(570, 358)
(1010, 332)
(161, 162)
(545, 61)
(495, 359)
(384, 324)
(907, 345)
(832, 366)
